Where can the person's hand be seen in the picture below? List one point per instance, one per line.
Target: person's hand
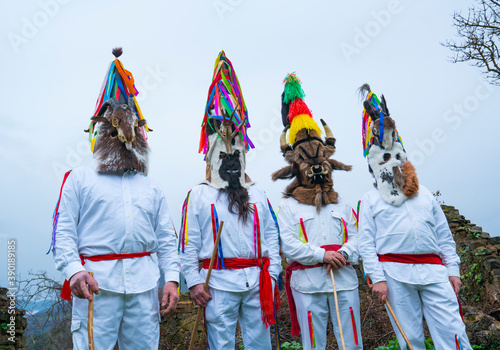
(78, 284)
(333, 260)
(381, 291)
(198, 294)
(170, 298)
(455, 283)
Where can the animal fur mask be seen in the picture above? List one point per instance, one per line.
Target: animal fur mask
(226, 166)
(310, 167)
(395, 176)
(120, 144)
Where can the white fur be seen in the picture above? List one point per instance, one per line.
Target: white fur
(215, 146)
(389, 191)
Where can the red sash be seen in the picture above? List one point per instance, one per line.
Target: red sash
(416, 259)
(291, 303)
(411, 258)
(265, 283)
(66, 290)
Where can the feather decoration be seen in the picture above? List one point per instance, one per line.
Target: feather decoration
(118, 83)
(223, 95)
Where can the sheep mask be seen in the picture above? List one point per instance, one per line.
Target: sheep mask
(395, 176)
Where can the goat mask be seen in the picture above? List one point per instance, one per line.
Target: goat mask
(395, 176)
(224, 138)
(308, 156)
(120, 145)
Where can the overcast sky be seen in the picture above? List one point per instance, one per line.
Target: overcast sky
(54, 55)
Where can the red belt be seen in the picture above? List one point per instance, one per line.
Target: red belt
(411, 258)
(416, 259)
(265, 283)
(291, 303)
(66, 290)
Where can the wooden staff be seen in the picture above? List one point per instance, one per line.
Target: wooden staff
(90, 322)
(398, 324)
(200, 310)
(337, 309)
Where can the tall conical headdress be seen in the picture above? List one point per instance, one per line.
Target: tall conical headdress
(225, 102)
(119, 84)
(294, 111)
(380, 111)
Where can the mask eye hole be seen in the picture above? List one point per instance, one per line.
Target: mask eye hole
(114, 134)
(222, 155)
(236, 154)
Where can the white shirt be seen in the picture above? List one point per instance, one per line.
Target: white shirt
(321, 228)
(418, 226)
(113, 214)
(237, 240)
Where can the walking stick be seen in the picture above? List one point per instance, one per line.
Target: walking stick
(398, 324)
(90, 322)
(337, 309)
(200, 310)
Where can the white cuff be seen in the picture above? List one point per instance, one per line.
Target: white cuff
(453, 270)
(172, 277)
(319, 254)
(73, 268)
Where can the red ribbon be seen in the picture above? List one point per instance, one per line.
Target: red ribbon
(291, 303)
(66, 290)
(265, 283)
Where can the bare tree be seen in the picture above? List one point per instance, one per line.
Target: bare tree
(49, 326)
(479, 33)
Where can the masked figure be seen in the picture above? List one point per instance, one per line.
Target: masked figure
(318, 229)
(248, 262)
(407, 247)
(110, 220)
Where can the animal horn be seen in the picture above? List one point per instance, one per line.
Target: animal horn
(283, 144)
(225, 135)
(328, 131)
(109, 102)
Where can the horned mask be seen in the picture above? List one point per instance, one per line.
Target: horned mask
(224, 138)
(118, 129)
(309, 157)
(395, 176)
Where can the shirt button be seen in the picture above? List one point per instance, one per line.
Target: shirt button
(126, 251)
(128, 216)
(125, 188)
(126, 202)
(128, 233)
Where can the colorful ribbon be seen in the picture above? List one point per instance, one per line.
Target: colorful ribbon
(311, 329)
(354, 329)
(55, 216)
(215, 228)
(184, 237)
(302, 232)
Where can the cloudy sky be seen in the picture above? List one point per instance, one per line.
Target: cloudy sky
(54, 55)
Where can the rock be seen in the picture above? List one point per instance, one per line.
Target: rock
(485, 235)
(482, 251)
(491, 264)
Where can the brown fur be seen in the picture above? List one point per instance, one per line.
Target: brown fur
(410, 188)
(111, 154)
(310, 152)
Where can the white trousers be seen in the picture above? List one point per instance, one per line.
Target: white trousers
(132, 319)
(222, 314)
(316, 308)
(438, 303)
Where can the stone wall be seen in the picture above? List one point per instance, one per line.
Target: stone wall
(480, 273)
(12, 323)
